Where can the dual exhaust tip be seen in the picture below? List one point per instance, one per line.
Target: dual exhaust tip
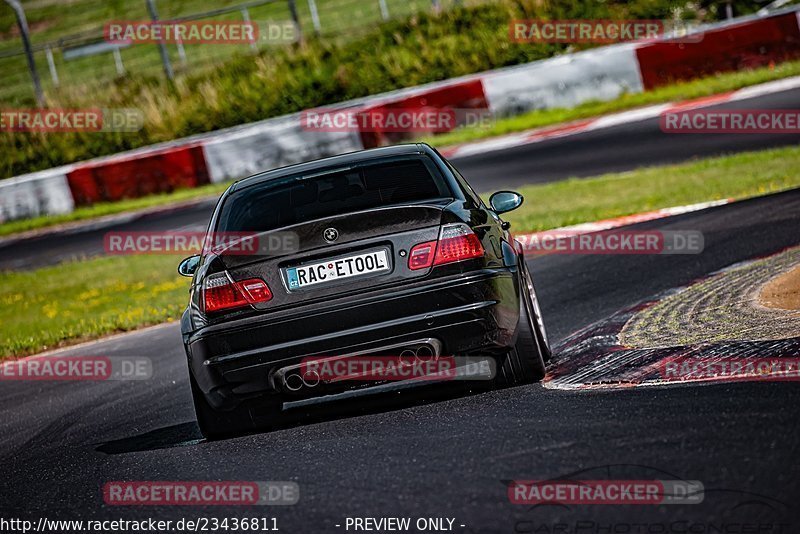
(296, 381)
(423, 353)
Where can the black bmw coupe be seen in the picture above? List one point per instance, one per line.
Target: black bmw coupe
(386, 252)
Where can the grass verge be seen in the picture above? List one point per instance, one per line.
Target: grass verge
(702, 87)
(579, 200)
(87, 299)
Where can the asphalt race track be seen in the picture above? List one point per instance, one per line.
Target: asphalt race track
(451, 454)
(619, 148)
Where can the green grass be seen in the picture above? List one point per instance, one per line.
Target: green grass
(91, 298)
(702, 87)
(579, 200)
(87, 299)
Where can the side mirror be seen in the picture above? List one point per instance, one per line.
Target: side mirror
(188, 266)
(504, 201)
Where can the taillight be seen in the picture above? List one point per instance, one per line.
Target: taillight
(421, 256)
(220, 293)
(457, 242)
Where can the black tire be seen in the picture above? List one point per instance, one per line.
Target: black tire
(536, 315)
(216, 424)
(524, 363)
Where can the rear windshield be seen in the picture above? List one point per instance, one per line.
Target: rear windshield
(295, 199)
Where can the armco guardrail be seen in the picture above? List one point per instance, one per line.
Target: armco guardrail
(564, 81)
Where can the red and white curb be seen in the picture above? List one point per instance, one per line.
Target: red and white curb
(597, 358)
(625, 220)
(616, 119)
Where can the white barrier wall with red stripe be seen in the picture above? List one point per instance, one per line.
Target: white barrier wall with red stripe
(565, 81)
(41, 193)
(271, 144)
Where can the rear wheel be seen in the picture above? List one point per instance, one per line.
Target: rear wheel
(524, 364)
(216, 424)
(536, 315)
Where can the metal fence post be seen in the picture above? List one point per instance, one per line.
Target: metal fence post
(151, 7)
(296, 18)
(728, 10)
(52, 65)
(181, 51)
(384, 9)
(312, 6)
(26, 42)
(118, 61)
(246, 18)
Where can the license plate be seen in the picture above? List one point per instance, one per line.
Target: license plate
(331, 270)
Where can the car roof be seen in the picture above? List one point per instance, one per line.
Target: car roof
(351, 158)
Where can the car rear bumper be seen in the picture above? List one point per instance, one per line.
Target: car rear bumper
(474, 313)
